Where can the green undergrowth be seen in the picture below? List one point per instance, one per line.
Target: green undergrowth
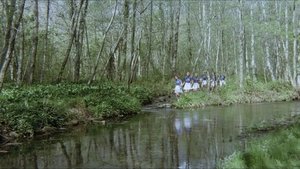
(231, 93)
(28, 109)
(280, 149)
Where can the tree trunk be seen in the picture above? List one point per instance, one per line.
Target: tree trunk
(269, 67)
(241, 49)
(176, 38)
(287, 72)
(132, 51)
(11, 43)
(79, 43)
(35, 40)
(162, 51)
(295, 45)
(73, 32)
(189, 35)
(253, 57)
(21, 56)
(9, 11)
(149, 57)
(208, 55)
(102, 45)
(123, 52)
(45, 53)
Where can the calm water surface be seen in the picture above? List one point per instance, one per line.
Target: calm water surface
(162, 138)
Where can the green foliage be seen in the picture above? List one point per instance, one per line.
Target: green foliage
(277, 150)
(27, 109)
(27, 117)
(233, 161)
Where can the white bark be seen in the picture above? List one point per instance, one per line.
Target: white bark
(267, 58)
(253, 58)
(287, 71)
(295, 45)
(241, 40)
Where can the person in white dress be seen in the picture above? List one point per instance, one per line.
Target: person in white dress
(178, 85)
(187, 82)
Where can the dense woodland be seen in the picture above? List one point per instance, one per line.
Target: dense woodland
(46, 41)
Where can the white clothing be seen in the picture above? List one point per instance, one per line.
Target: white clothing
(178, 89)
(195, 86)
(187, 87)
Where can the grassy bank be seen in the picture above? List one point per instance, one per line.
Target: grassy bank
(231, 94)
(280, 149)
(28, 111)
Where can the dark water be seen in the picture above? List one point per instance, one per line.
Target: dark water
(157, 139)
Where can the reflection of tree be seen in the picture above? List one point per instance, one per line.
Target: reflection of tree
(63, 148)
(35, 163)
(78, 155)
(188, 129)
(173, 141)
(148, 147)
(124, 147)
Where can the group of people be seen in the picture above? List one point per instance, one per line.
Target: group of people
(195, 82)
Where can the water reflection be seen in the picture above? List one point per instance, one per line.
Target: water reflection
(167, 139)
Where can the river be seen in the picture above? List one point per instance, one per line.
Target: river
(158, 138)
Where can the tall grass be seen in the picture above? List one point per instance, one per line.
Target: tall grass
(280, 149)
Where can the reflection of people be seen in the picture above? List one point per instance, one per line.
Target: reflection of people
(187, 123)
(178, 84)
(187, 82)
(178, 126)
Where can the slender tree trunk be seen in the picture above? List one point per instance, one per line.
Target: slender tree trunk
(124, 40)
(241, 49)
(287, 72)
(8, 55)
(9, 11)
(269, 67)
(79, 42)
(189, 35)
(73, 31)
(295, 45)
(35, 40)
(12, 67)
(45, 54)
(171, 38)
(21, 56)
(204, 33)
(132, 51)
(253, 57)
(162, 51)
(278, 69)
(149, 57)
(103, 44)
(208, 56)
(176, 38)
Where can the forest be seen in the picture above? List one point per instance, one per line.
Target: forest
(64, 63)
(88, 40)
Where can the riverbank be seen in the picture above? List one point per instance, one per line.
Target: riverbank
(41, 110)
(273, 144)
(253, 92)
